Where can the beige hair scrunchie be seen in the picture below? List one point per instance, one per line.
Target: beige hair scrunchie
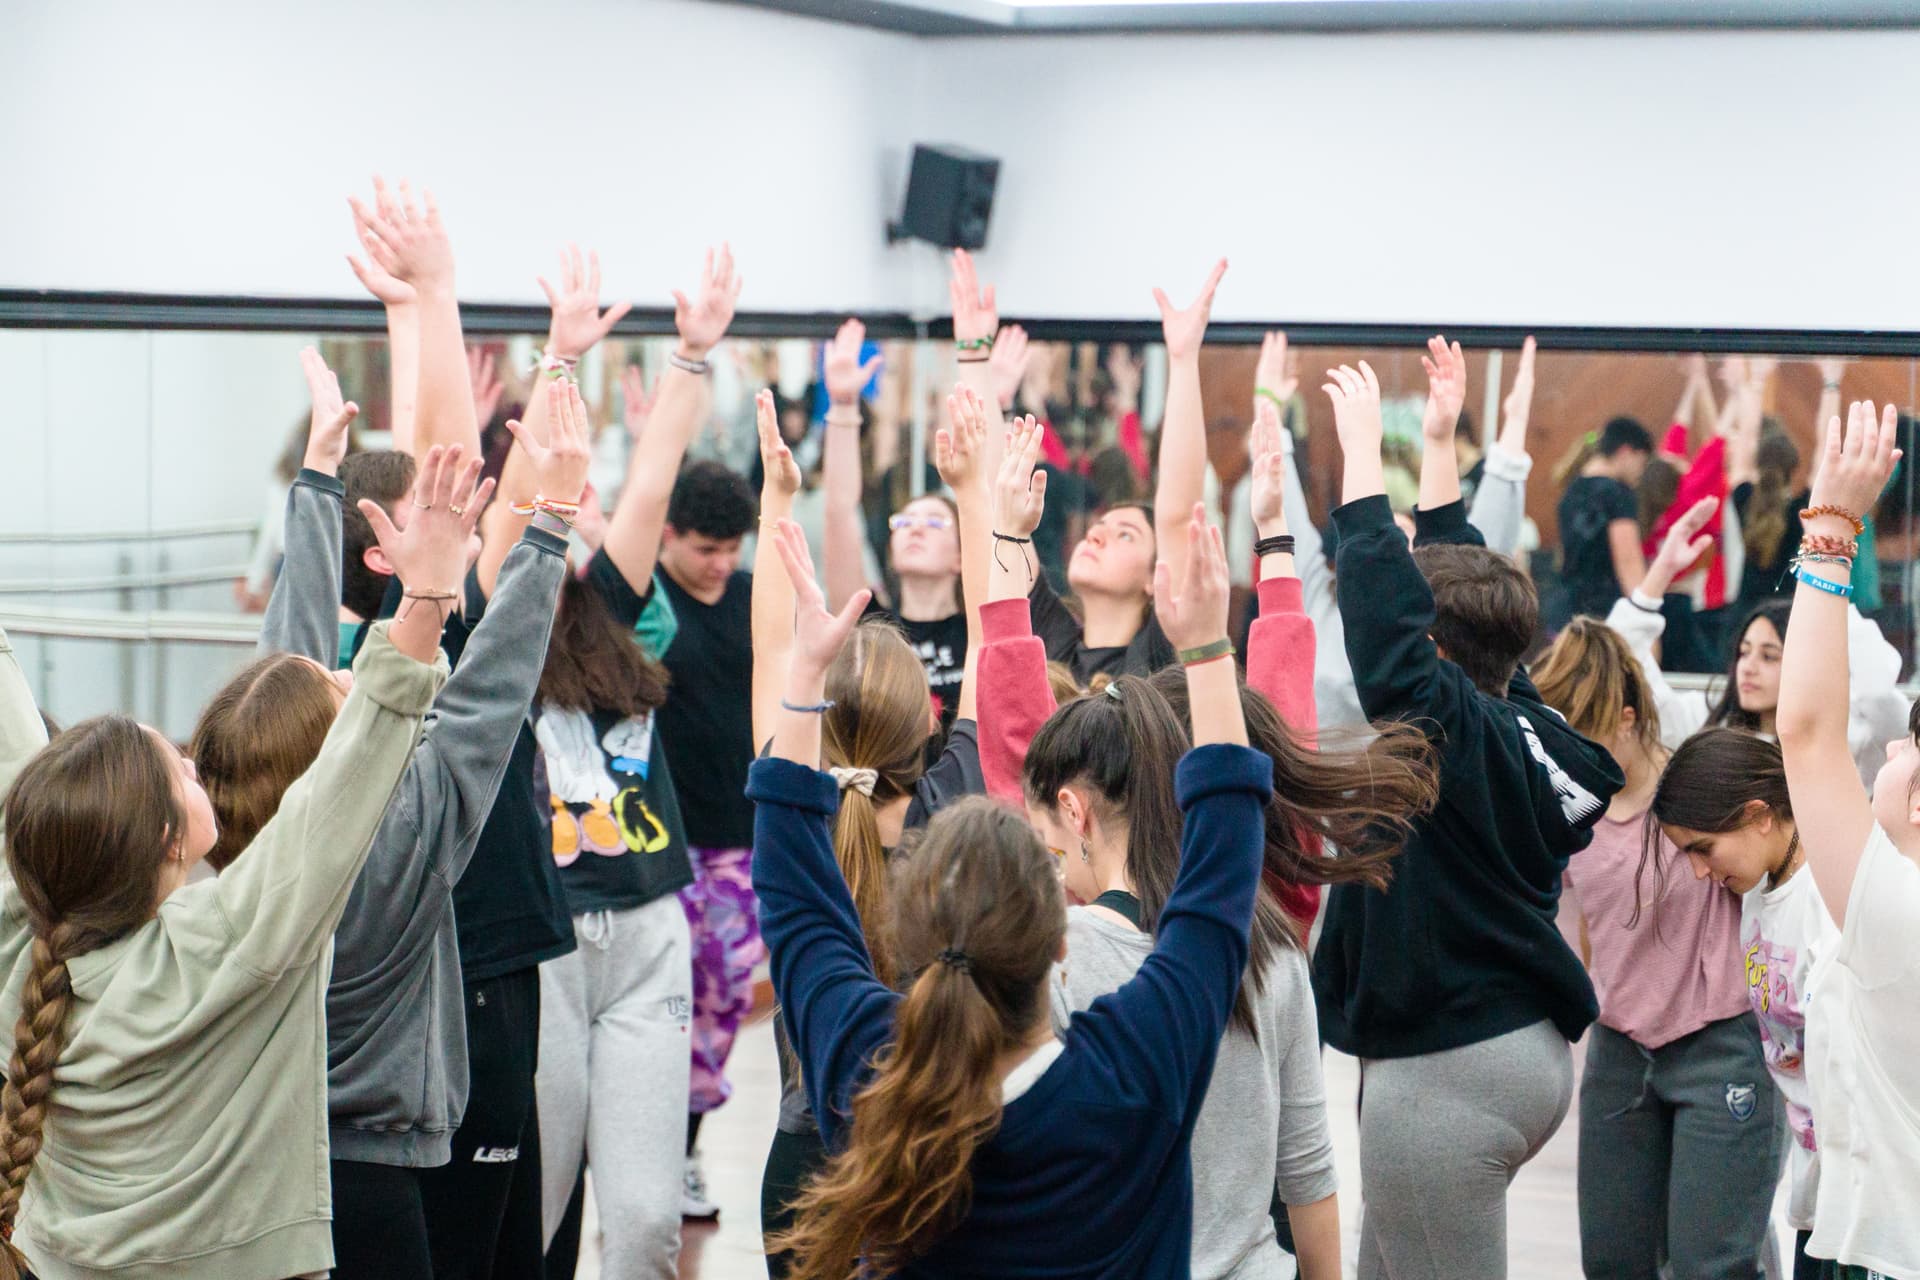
(861, 780)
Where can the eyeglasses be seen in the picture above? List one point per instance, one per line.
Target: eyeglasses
(905, 521)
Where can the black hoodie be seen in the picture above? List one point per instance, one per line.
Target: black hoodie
(1463, 947)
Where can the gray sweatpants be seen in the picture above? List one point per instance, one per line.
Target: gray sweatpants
(1441, 1137)
(1678, 1154)
(614, 1068)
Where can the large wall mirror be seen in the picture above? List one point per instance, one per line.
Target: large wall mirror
(146, 466)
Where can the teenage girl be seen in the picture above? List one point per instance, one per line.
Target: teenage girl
(1863, 851)
(175, 1035)
(1600, 553)
(1876, 710)
(874, 740)
(1678, 1118)
(971, 1140)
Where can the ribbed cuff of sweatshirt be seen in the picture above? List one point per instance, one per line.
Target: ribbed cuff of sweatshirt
(545, 540)
(1441, 524)
(1005, 620)
(1504, 464)
(1361, 515)
(1281, 595)
(772, 780)
(322, 481)
(1217, 767)
(392, 679)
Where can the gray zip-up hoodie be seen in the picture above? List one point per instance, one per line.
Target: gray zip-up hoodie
(396, 1016)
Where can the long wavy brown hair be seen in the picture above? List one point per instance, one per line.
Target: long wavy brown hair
(595, 664)
(878, 719)
(1590, 676)
(89, 823)
(978, 884)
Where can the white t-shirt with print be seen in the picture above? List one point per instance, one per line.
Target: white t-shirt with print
(1864, 1067)
(1782, 932)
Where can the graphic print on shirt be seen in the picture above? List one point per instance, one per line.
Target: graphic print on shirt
(1576, 802)
(944, 670)
(1783, 1020)
(598, 785)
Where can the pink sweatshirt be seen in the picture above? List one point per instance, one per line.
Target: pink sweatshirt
(1015, 698)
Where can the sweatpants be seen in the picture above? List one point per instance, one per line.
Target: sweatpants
(379, 1223)
(1441, 1137)
(793, 1158)
(724, 918)
(483, 1205)
(1677, 1154)
(613, 1081)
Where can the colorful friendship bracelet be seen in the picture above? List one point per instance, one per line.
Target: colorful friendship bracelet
(1827, 509)
(566, 512)
(974, 344)
(1827, 545)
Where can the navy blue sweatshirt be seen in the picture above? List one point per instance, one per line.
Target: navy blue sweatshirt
(1088, 1174)
(1463, 946)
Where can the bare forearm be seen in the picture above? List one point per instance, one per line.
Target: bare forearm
(1316, 1238)
(771, 620)
(1213, 690)
(633, 530)
(1183, 463)
(845, 570)
(1439, 474)
(978, 374)
(976, 523)
(445, 414)
(403, 370)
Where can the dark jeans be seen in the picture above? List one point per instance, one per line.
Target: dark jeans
(793, 1158)
(483, 1206)
(379, 1223)
(1678, 1154)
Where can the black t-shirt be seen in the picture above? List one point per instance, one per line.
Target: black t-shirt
(509, 910)
(617, 835)
(1764, 579)
(1590, 504)
(707, 722)
(942, 647)
(1064, 637)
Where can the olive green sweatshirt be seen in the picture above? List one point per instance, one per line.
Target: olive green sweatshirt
(187, 1131)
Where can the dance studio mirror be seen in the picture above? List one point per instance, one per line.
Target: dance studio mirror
(146, 462)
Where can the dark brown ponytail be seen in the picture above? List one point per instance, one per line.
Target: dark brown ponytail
(978, 920)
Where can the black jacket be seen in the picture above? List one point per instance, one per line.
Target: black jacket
(1463, 947)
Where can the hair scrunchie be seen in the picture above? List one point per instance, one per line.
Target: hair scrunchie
(861, 780)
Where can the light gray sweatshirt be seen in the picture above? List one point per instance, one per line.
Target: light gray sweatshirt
(1264, 1122)
(396, 1015)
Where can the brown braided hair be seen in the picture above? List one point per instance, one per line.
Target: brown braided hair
(89, 825)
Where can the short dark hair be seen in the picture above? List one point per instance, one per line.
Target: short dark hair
(384, 476)
(1484, 611)
(711, 500)
(1624, 433)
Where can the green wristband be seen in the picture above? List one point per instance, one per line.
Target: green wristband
(1221, 648)
(1260, 393)
(974, 344)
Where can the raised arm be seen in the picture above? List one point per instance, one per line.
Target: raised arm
(22, 731)
(409, 243)
(1013, 660)
(772, 594)
(976, 335)
(1500, 503)
(1183, 431)
(1833, 811)
(283, 899)
(960, 453)
(1281, 644)
(845, 538)
(1446, 392)
(403, 321)
(303, 614)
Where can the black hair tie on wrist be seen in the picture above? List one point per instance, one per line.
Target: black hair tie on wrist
(999, 538)
(1281, 544)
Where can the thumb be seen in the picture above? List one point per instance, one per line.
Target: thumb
(1038, 487)
(347, 414)
(524, 439)
(383, 531)
(870, 368)
(612, 317)
(1164, 302)
(1163, 599)
(850, 611)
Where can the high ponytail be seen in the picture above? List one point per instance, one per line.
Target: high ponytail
(873, 739)
(978, 920)
(89, 822)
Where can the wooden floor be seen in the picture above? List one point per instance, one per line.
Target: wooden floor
(1542, 1221)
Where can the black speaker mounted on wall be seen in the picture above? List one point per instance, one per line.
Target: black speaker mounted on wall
(949, 198)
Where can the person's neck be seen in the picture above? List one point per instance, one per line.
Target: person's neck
(929, 597)
(1599, 467)
(891, 820)
(1111, 621)
(704, 595)
(1643, 779)
(1110, 874)
(1791, 861)
(1765, 727)
(1037, 1037)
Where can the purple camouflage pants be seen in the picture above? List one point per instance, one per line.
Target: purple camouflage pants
(724, 918)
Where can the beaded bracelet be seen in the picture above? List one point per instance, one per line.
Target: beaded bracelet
(974, 344)
(685, 365)
(1827, 545)
(1827, 509)
(1814, 580)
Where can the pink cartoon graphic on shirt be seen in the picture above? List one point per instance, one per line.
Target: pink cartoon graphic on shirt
(1783, 1021)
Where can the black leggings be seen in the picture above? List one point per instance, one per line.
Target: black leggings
(379, 1223)
(793, 1158)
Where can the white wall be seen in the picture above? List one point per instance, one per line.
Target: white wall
(207, 147)
(1750, 179)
